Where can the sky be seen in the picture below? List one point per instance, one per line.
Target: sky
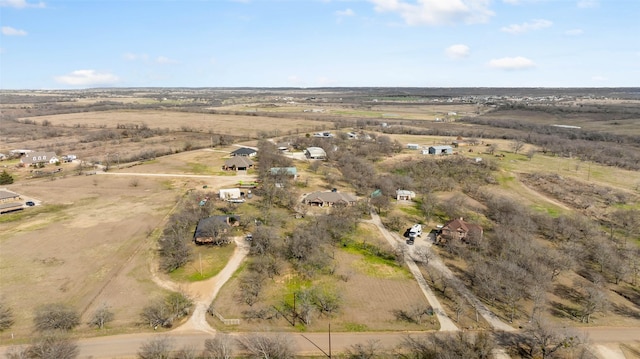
(77, 44)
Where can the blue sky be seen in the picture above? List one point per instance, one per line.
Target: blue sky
(316, 43)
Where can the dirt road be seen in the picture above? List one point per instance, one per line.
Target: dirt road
(446, 324)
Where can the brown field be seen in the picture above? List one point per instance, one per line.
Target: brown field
(92, 241)
(173, 120)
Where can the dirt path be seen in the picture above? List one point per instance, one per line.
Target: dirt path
(446, 324)
(492, 319)
(204, 292)
(541, 195)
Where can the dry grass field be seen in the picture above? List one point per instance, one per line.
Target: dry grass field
(226, 124)
(92, 241)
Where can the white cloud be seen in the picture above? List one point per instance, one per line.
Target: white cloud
(586, 4)
(457, 51)
(129, 56)
(512, 63)
(163, 60)
(599, 78)
(536, 24)
(10, 31)
(21, 4)
(574, 32)
(87, 78)
(345, 12)
(437, 12)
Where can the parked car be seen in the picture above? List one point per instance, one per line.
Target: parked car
(30, 203)
(249, 237)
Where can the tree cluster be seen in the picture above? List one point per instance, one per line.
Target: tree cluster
(164, 312)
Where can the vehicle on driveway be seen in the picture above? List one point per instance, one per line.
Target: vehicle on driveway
(30, 203)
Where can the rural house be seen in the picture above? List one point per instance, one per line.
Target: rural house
(209, 229)
(460, 230)
(328, 199)
(9, 201)
(440, 150)
(237, 164)
(404, 195)
(39, 157)
(316, 153)
(244, 152)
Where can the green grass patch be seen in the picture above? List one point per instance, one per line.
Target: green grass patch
(374, 261)
(552, 211)
(504, 178)
(199, 168)
(412, 211)
(207, 262)
(32, 212)
(355, 327)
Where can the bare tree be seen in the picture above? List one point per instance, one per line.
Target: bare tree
(531, 153)
(50, 345)
(101, 316)
(156, 348)
(369, 350)
(6, 316)
(593, 300)
(517, 145)
(219, 347)
(492, 148)
(326, 299)
(179, 303)
(250, 287)
(262, 346)
(544, 339)
(56, 316)
(459, 306)
(422, 255)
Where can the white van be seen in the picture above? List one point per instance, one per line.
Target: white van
(415, 231)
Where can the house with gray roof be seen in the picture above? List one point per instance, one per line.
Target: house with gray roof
(329, 198)
(39, 157)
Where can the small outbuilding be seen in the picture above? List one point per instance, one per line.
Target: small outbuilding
(316, 153)
(413, 146)
(405, 195)
(440, 150)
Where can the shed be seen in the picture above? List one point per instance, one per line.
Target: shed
(413, 146)
(405, 195)
(315, 153)
(440, 150)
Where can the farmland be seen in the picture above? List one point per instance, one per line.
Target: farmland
(92, 240)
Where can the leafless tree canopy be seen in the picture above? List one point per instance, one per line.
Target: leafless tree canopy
(56, 316)
(49, 345)
(6, 316)
(263, 346)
